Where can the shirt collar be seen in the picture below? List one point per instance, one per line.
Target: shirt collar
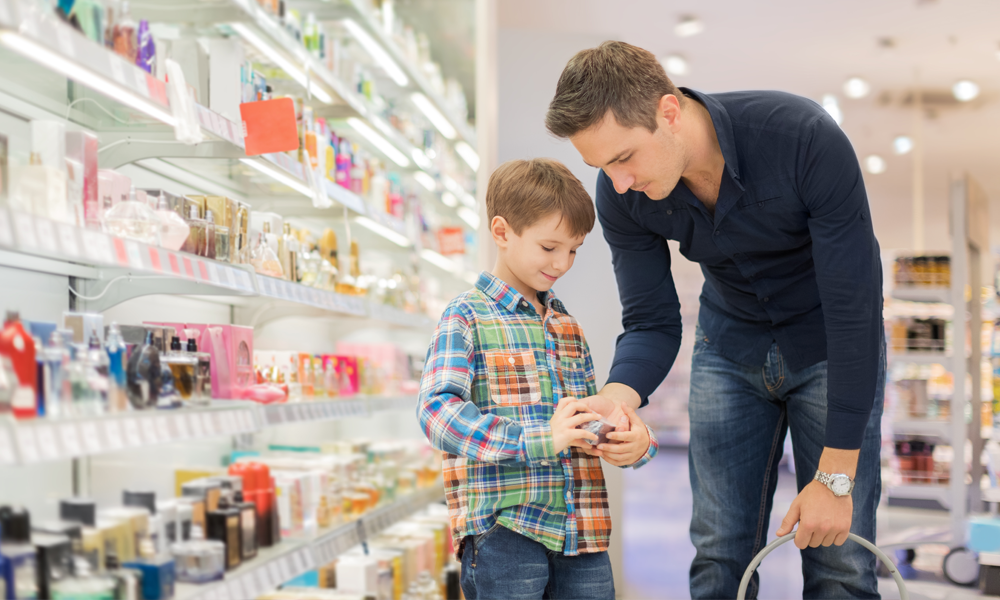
(506, 296)
(723, 129)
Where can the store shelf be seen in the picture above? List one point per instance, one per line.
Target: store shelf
(941, 295)
(925, 427)
(32, 441)
(293, 557)
(927, 496)
(27, 442)
(921, 358)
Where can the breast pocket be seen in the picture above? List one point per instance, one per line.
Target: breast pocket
(573, 374)
(513, 378)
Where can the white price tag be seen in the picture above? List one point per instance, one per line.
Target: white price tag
(236, 590)
(213, 272)
(65, 42)
(132, 435)
(134, 254)
(67, 240)
(226, 276)
(300, 412)
(263, 580)
(307, 559)
(48, 448)
(117, 68)
(162, 428)
(25, 227)
(222, 592)
(287, 572)
(148, 428)
(6, 235)
(91, 439)
(46, 232)
(70, 439)
(246, 420)
(113, 431)
(275, 573)
(248, 585)
(7, 456)
(197, 431)
(181, 427)
(228, 419)
(209, 425)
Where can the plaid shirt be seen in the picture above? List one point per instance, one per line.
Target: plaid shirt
(493, 375)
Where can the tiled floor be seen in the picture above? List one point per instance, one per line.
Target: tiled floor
(658, 551)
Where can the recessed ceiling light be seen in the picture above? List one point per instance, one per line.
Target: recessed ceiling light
(689, 25)
(831, 106)
(875, 164)
(855, 87)
(965, 90)
(903, 144)
(674, 64)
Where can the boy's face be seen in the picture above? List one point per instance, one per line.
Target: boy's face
(543, 252)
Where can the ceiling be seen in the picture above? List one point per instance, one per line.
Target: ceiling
(811, 48)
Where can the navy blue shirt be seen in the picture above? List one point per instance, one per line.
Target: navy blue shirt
(789, 256)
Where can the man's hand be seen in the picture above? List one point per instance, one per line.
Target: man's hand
(569, 414)
(632, 442)
(823, 518)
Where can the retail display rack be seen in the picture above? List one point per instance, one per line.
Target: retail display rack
(962, 493)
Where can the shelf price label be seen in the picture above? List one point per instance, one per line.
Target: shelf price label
(117, 68)
(154, 259)
(91, 439)
(28, 444)
(226, 277)
(275, 573)
(48, 448)
(134, 254)
(162, 428)
(132, 435)
(46, 233)
(67, 240)
(70, 439)
(181, 427)
(113, 431)
(6, 235)
(7, 456)
(263, 582)
(236, 590)
(25, 227)
(65, 41)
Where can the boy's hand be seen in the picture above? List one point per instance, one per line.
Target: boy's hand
(569, 414)
(631, 444)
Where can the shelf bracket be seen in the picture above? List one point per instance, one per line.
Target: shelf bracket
(115, 286)
(120, 149)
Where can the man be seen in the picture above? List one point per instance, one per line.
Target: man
(764, 190)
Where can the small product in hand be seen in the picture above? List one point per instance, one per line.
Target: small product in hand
(601, 429)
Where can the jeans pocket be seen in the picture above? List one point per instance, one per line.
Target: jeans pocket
(481, 538)
(701, 341)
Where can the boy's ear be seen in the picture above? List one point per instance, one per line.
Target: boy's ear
(500, 229)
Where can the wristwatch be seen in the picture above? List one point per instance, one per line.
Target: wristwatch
(839, 484)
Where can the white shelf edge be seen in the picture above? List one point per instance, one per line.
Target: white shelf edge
(938, 295)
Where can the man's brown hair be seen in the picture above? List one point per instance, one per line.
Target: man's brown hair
(615, 76)
(524, 191)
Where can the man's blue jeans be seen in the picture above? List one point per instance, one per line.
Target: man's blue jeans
(503, 565)
(739, 417)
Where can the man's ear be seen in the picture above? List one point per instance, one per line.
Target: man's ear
(501, 231)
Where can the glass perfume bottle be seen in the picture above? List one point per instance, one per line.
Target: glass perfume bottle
(263, 259)
(116, 351)
(173, 230)
(288, 250)
(58, 393)
(332, 380)
(133, 220)
(223, 525)
(40, 189)
(144, 375)
(125, 36)
(195, 242)
(208, 250)
(202, 394)
(16, 344)
(319, 378)
(88, 377)
(248, 525)
(223, 243)
(183, 367)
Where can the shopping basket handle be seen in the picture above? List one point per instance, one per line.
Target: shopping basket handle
(903, 595)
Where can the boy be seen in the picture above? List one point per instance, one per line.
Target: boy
(529, 510)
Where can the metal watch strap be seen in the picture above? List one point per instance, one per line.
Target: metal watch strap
(827, 480)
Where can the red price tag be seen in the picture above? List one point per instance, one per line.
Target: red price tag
(202, 271)
(188, 268)
(175, 267)
(154, 259)
(157, 90)
(121, 253)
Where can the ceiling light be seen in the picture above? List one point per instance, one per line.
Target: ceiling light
(469, 216)
(380, 142)
(468, 155)
(438, 260)
(875, 164)
(280, 177)
(425, 180)
(688, 26)
(965, 90)
(903, 144)
(855, 87)
(77, 72)
(421, 159)
(378, 52)
(469, 200)
(393, 236)
(831, 106)
(284, 64)
(434, 115)
(452, 185)
(674, 64)
(449, 199)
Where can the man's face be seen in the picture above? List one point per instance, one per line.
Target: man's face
(543, 252)
(633, 157)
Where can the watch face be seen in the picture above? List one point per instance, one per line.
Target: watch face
(841, 485)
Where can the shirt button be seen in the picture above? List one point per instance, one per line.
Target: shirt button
(767, 298)
(760, 205)
(670, 212)
(717, 232)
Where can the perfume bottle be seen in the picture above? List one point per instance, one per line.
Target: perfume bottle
(264, 259)
(19, 554)
(208, 249)
(116, 351)
(88, 379)
(125, 38)
(173, 230)
(223, 243)
(332, 380)
(183, 367)
(202, 393)
(195, 242)
(17, 345)
(133, 220)
(223, 525)
(57, 358)
(288, 249)
(146, 52)
(144, 375)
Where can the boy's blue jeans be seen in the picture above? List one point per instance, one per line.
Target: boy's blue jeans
(739, 417)
(503, 565)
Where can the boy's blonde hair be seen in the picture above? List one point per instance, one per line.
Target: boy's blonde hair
(524, 191)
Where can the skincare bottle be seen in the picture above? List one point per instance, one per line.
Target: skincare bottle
(183, 368)
(248, 525)
(144, 375)
(223, 525)
(116, 351)
(125, 37)
(17, 345)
